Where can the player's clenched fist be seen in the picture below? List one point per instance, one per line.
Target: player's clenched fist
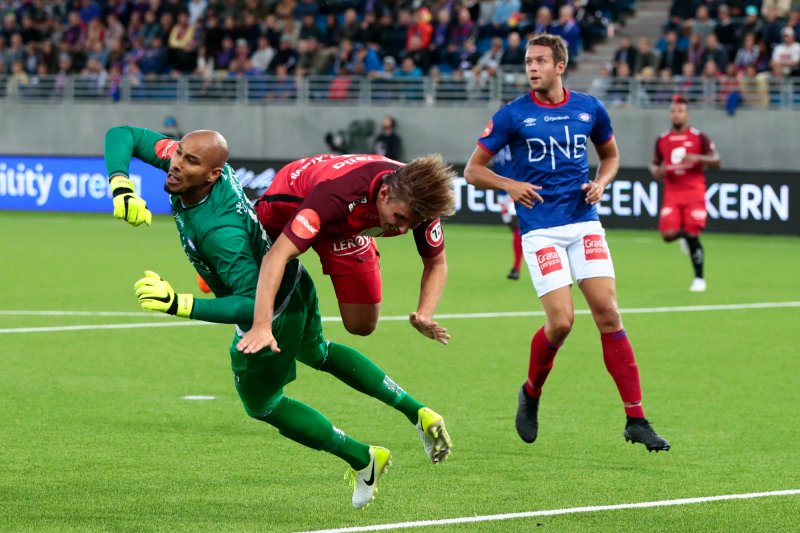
(155, 294)
(127, 205)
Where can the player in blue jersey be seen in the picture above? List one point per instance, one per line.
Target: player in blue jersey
(548, 131)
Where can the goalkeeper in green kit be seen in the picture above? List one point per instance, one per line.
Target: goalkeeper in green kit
(223, 239)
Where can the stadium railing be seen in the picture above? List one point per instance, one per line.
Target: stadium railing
(759, 92)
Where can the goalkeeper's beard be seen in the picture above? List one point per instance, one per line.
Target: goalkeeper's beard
(178, 185)
(177, 190)
(189, 188)
(187, 193)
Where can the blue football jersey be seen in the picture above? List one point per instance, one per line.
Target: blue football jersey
(502, 164)
(549, 147)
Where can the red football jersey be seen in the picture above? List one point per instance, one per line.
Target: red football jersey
(333, 196)
(681, 180)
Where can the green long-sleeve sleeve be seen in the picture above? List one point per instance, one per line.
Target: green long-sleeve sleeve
(225, 310)
(122, 143)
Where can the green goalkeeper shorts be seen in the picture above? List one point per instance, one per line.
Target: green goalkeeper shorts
(260, 377)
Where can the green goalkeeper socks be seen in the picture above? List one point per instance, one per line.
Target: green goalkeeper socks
(309, 427)
(355, 369)
(305, 425)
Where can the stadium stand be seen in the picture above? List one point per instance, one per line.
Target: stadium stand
(724, 55)
(444, 52)
(283, 49)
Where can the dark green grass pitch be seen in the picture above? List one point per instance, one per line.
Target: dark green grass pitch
(95, 435)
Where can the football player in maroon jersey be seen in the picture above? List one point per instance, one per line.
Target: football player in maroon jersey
(337, 204)
(680, 157)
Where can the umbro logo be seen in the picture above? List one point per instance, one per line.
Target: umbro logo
(529, 122)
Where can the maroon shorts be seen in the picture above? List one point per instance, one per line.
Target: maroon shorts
(687, 216)
(353, 263)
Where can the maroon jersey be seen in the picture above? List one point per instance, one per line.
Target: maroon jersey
(333, 197)
(680, 180)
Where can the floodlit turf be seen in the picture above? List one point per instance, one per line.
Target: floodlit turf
(95, 436)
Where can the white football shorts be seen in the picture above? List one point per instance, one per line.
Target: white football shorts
(556, 255)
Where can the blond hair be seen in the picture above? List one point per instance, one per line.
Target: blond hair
(554, 43)
(426, 186)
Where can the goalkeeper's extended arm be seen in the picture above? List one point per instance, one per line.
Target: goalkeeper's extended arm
(121, 144)
(128, 206)
(155, 294)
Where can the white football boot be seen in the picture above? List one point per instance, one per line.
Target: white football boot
(365, 481)
(698, 285)
(433, 434)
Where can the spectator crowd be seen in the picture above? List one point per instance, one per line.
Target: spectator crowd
(100, 42)
(743, 48)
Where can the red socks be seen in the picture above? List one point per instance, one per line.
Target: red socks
(617, 355)
(542, 354)
(621, 364)
(517, 244)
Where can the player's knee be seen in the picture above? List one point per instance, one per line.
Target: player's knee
(669, 236)
(269, 412)
(360, 327)
(608, 319)
(314, 355)
(559, 328)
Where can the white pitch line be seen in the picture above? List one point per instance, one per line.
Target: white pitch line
(630, 311)
(555, 512)
(452, 316)
(107, 326)
(77, 313)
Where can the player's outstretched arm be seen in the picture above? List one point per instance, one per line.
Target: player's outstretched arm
(478, 174)
(434, 276)
(122, 143)
(156, 294)
(273, 265)
(128, 206)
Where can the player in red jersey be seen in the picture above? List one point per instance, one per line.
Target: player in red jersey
(680, 156)
(337, 204)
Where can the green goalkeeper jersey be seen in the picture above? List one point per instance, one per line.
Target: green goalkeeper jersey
(220, 234)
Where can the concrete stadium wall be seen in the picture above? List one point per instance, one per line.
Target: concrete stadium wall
(751, 140)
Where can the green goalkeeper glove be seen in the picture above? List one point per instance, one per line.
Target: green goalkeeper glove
(127, 205)
(155, 294)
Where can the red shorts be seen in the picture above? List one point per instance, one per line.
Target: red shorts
(687, 216)
(353, 263)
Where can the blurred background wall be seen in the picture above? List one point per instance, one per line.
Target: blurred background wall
(750, 140)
